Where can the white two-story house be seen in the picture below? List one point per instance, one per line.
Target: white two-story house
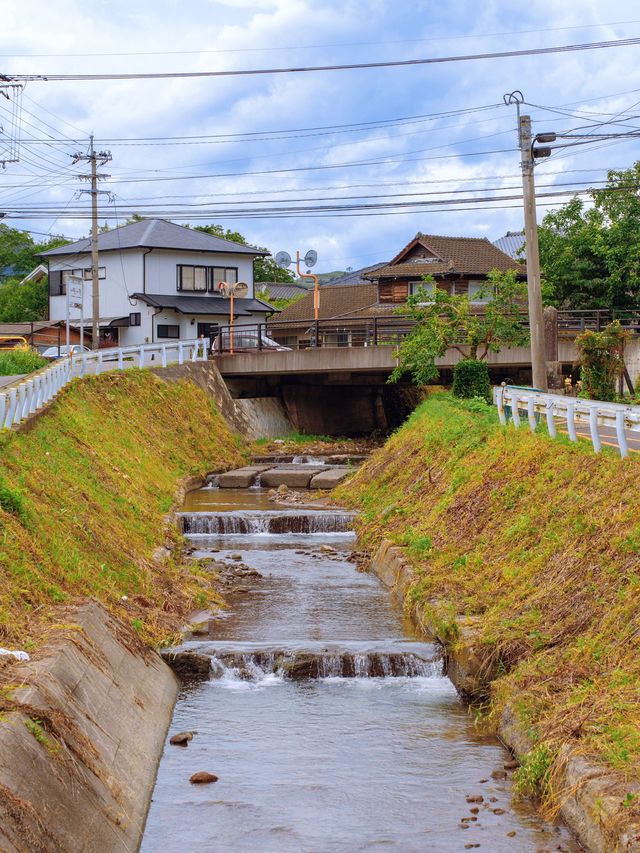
(157, 282)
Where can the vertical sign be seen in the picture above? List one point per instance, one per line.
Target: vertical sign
(75, 296)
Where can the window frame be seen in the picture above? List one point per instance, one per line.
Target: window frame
(168, 336)
(212, 276)
(179, 278)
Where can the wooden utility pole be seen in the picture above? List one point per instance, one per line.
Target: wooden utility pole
(534, 290)
(95, 159)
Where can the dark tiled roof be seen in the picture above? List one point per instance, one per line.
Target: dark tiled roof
(464, 255)
(204, 304)
(336, 300)
(281, 290)
(155, 234)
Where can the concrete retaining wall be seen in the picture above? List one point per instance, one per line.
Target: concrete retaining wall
(591, 797)
(80, 741)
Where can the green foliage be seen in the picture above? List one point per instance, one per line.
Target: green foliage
(601, 356)
(280, 304)
(532, 778)
(471, 379)
(444, 321)
(11, 501)
(17, 361)
(23, 303)
(590, 253)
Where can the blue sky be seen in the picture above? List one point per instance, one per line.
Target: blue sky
(432, 157)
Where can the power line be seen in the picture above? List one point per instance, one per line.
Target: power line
(235, 50)
(167, 75)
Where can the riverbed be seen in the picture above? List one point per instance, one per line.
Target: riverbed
(330, 725)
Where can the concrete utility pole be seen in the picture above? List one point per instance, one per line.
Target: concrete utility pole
(95, 159)
(534, 291)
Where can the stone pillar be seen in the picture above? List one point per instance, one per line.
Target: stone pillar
(554, 368)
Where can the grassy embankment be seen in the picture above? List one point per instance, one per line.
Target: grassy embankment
(83, 492)
(537, 543)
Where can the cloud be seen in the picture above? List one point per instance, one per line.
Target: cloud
(435, 157)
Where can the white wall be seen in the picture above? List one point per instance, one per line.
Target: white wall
(124, 276)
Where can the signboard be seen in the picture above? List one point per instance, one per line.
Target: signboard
(74, 291)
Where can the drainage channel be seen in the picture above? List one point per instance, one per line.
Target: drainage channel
(329, 725)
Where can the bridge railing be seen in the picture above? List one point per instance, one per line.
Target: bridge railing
(566, 414)
(387, 330)
(31, 393)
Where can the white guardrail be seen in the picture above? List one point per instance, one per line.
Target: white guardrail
(567, 413)
(24, 398)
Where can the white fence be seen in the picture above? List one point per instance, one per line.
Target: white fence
(19, 401)
(568, 414)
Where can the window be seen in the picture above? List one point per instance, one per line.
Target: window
(168, 331)
(102, 273)
(135, 318)
(192, 278)
(414, 287)
(218, 274)
(479, 292)
(65, 275)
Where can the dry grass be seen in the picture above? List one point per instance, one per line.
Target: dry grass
(538, 539)
(84, 490)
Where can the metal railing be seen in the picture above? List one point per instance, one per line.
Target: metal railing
(381, 331)
(31, 393)
(567, 413)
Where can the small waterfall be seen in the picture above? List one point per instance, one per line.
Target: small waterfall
(257, 483)
(259, 522)
(301, 665)
(212, 481)
(308, 460)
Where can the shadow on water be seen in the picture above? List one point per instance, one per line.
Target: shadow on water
(309, 760)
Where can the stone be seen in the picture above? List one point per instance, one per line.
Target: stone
(188, 665)
(181, 739)
(329, 479)
(498, 811)
(475, 798)
(235, 556)
(327, 549)
(511, 765)
(295, 477)
(511, 834)
(499, 774)
(241, 478)
(474, 810)
(203, 778)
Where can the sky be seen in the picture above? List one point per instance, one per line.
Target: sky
(242, 151)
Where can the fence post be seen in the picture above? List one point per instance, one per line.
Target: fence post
(3, 409)
(163, 353)
(375, 331)
(99, 364)
(194, 354)
(551, 424)
(205, 348)
(571, 420)
(141, 357)
(259, 337)
(531, 413)
(13, 402)
(622, 438)
(120, 359)
(515, 414)
(500, 404)
(33, 399)
(180, 353)
(20, 403)
(593, 425)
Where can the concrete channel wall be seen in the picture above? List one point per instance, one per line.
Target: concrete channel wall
(591, 798)
(87, 730)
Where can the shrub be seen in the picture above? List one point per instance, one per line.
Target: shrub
(11, 501)
(601, 356)
(471, 379)
(14, 362)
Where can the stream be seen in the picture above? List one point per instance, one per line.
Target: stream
(328, 722)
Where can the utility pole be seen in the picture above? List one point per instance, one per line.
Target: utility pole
(534, 289)
(95, 158)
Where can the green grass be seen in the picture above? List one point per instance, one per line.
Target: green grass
(15, 362)
(83, 493)
(538, 541)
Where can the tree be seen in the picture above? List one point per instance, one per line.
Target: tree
(590, 256)
(19, 251)
(444, 321)
(264, 268)
(23, 303)
(601, 357)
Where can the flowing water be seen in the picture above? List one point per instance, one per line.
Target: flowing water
(329, 725)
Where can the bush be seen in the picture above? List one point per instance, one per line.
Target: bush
(14, 362)
(471, 379)
(601, 356)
